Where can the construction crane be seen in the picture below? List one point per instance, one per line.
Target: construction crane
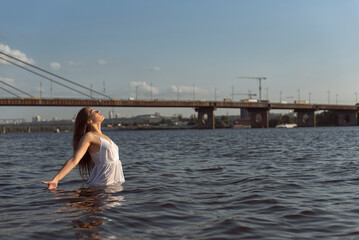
(260, 84)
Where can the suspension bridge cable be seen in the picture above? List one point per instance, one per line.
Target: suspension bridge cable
(61, 84)
(55, 75)
(16, 89)
(10, 92)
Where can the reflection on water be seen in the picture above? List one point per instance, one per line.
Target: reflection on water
(84, 207)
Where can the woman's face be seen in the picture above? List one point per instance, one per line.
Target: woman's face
(95, 116)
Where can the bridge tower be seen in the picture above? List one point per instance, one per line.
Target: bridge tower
(206, 117)
(259, 117)
(347, 118)
(306, 118)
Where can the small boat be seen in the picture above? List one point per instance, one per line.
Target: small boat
(57, 130)
(287, 125)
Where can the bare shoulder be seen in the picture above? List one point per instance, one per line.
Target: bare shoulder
(90, 138)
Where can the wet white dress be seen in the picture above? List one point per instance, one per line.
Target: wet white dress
(108, 167)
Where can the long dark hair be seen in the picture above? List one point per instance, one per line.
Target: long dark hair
(81, 128)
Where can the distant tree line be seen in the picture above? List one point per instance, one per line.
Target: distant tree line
(281, 119)
(323, 119)
(223, 122)
(327, 118)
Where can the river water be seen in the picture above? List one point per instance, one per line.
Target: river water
(298, 183)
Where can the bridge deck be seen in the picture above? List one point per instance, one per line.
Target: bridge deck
(172, 104)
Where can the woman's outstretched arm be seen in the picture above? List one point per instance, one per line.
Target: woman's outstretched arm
(71, 162)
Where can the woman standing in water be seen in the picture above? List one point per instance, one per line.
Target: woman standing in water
(95, 153)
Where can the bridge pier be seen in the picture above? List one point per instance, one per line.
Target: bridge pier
(206, 117)
(259, 118)
(306, 118)
(347, 118)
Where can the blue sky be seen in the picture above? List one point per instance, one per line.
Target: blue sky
(301, 47)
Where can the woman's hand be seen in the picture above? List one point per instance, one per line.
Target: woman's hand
(52, 184)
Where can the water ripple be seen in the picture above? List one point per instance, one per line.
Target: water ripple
(223, 184)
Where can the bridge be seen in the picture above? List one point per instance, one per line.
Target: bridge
(259, 111)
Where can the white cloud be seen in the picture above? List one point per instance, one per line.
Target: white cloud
(7, 80)
(15, 53)
(144, 87)
(55, 66)
(155, 69)
(102, 62)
